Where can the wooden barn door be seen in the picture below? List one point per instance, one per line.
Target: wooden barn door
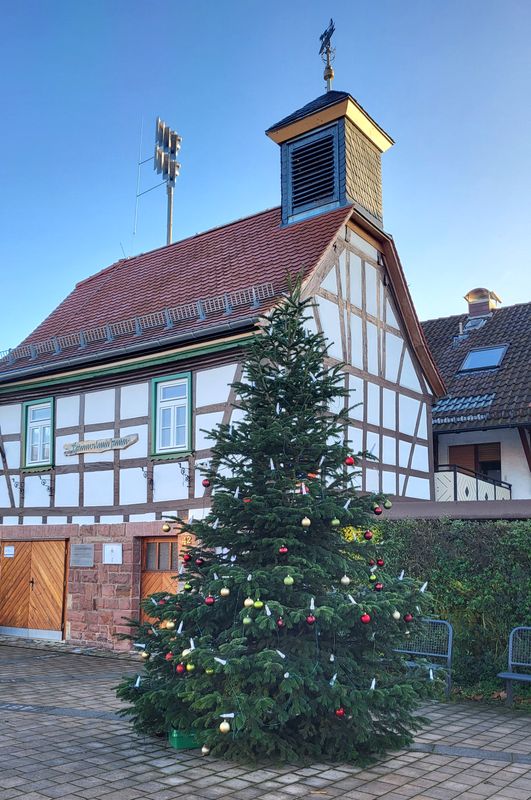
(32, 587)
(160, 566)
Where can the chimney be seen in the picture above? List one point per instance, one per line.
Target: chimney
(481, 302)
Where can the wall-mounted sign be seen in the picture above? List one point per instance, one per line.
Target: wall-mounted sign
(82, 555)
(9, 551)
(100, 445)
(112, 553)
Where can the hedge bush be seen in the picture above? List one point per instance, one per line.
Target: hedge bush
(479, 575)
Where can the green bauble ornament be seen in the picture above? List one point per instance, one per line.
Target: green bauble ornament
(288, 580)
(187, 587)
(335, 522)
(258, 604)
(372, 577)
(387, 504)
(247, 621)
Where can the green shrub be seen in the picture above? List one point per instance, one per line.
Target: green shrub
(479, 574)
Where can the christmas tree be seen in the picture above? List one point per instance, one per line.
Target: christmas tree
(281, 640)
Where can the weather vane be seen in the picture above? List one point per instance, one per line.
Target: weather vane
(328, 53)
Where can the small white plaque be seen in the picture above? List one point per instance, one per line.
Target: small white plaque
(9, 551)
(112, 553)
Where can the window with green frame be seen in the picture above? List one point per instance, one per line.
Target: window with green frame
(172, 414)
(38, 432)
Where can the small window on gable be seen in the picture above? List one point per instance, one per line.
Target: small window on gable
(313, 174)
(483, 358)
(172, 414)
(38, 433)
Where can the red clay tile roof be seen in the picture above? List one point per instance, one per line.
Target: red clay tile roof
(253, 251)
(484, 398)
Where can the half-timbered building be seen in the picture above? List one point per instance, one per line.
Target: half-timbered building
(104, 407)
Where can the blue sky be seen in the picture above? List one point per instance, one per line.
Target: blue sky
(450, 80)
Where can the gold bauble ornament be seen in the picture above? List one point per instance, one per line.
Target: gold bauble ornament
(170, 625)
(225, 591)
(166, 528)
(209, 671)
(306, 522)
(248, 602)
(224, 727)
(190, 667)
(144, 654)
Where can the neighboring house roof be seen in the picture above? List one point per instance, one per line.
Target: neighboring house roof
(219, 280)
(486, 398)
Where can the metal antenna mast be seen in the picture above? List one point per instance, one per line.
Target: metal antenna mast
(328, 53)
(167, 145)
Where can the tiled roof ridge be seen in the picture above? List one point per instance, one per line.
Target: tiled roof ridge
(465, 314)
(194, 236)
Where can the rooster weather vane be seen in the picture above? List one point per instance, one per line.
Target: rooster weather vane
(327, 53)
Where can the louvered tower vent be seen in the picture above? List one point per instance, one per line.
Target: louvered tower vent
(330, 156)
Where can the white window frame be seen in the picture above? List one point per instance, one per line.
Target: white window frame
(38, 425)
(173, 404)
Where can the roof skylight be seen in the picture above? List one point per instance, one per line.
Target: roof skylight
(483, 358)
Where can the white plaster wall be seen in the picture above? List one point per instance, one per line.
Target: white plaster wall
(212, 385)
(82, 520)
(513, 461)
(98, 488)
(60, 458)
(404, 449)
(35, 494)
(55, 520)
(110, 519)
(206, 422)
(372, 479)
(10, 521)
(330, 282)
(393, 351)
(372, 348)
(147, 517)
(355, 397)
(329, 314)
(67, 411)
(134, 400)
(138, 449)
(371, 290)
(355, 436)
(169, 483)
(4, 494)
(32, 520)
(91, 458)
(355, 280)
(199, 489)
(343, 272)
(363, 246)
(373, 443)
(373, 403)
(390, 317)
(408, 410)
(389, 409)
(388, 482)
(67, 489)
(133, 486)
(10, 418)
(388, 450)
(356, 337)
(12, 451)
(418, 488)
(99, 407)
(409, 377)
(420, 460)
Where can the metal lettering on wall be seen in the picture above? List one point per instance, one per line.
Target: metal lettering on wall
(100, 445)
(82, 555)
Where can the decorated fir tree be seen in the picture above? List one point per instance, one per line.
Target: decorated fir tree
(281, 640)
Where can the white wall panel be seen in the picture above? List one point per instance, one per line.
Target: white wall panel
(356, 335)
(373, 443)
(372, 480)
(54, 520)
(32, 520)
(408, 376)
(199, 489)
(390, 317)
(388, 450)
(329, 314)
(330, 282)
(393, 351)
(423, 425)
(138, 449)
(35, 493)
(372, 348)
(212, 385)
(134, 400)
(343, 274)
(404, 449)
(389, 409)
(169, 483)
(10, 418)
(388, 482)
(110, 519)
(237, 415)
(60, 458)
(12, 451)
(355, 436)
(91, 458)
(4, 494)
(408, 410)
(198, 513)
(10, 521)
(419, 488)
(83, 519)
(205, 422)
(355, 280)
(98, 488)
(420, 459)
(133, 486)
(355, 396)
(99, 407)
(67, 411)
(371, 290)
(363, 246)
(67, 489)
(373, 403)
(150, 516)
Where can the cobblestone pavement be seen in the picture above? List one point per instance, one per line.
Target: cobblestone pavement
(60, 737)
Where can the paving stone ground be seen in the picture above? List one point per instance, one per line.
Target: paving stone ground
(60, 738)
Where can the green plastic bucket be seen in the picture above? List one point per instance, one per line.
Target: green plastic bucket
(180, 740)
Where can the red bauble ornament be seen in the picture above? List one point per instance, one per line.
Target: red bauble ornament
(200, 562)
(408, 617)
(283, 550)
(187, 557)
(168, 656)
(310, 619)
(180, 669)
(380, 562)
(209, 600)
(280, 622)
(349, 461)
(378, 510)
(365, 618)
(368, 535)
(340, 712)
(205, 482)
(378, 587)
(372, 562)
(162, 603)
(246, 499)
